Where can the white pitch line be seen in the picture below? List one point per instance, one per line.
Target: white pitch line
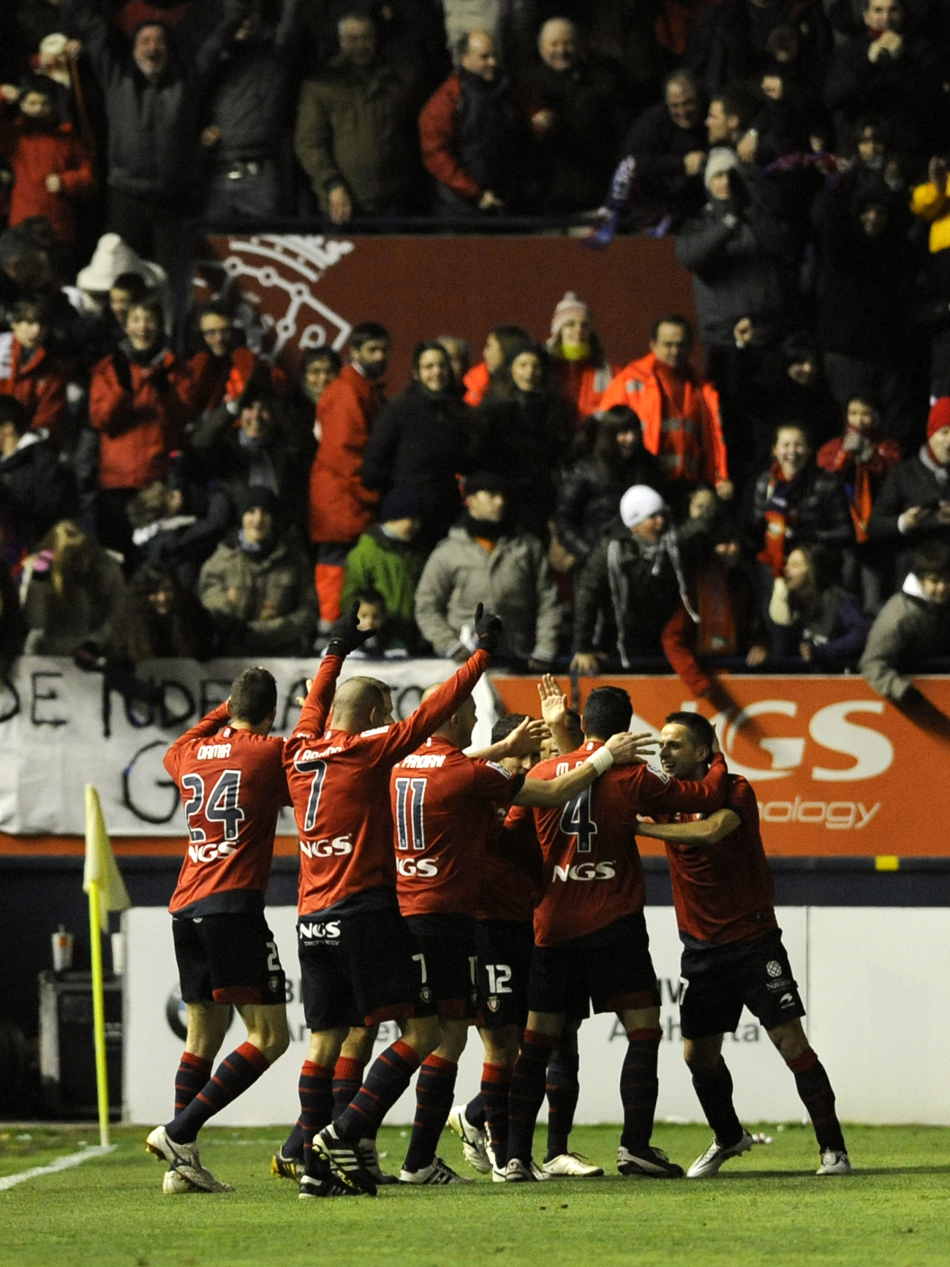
(61, 1163)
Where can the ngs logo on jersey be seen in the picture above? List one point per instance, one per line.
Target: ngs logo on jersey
(410, 867)
(325, 848)
(586, 871)
(210, 853)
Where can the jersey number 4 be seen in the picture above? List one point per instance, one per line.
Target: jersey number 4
(221, 807)
(576, 821)
(410, 824)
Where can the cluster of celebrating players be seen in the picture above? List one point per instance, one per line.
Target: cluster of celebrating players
(438, 889)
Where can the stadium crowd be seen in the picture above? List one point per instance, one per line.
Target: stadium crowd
(784, 508)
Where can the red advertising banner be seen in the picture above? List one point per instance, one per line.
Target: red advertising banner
(293, 293)
(836, 769)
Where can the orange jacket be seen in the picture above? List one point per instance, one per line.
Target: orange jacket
(583, 383)
(213, 381)
(138, 428)
(39, 384)
(340, 507)
(476, 382)
(691, 452)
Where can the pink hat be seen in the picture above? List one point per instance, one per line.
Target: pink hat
(570, 306)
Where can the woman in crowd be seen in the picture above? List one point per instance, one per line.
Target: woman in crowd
(419, 441)
(522, 431)
(813, 618)
(498, 345)
(578, 363)
(71, 589)
(159, 618)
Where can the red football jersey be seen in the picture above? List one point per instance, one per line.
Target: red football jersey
(444, 805)
(339, 783)
(724, 892)
(511, 869)
(233, 786)
(592, 870)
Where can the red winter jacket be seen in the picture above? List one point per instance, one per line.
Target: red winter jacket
(340, 507)
(437, 125)
(38, 381)
(34, 155)
(214, 380)
(138, 428)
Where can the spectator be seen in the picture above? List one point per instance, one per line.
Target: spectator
(387, 561)
(476, 142)
(861, 460)
(340, 507)
(420, 441)
(222, 370)
(51, 167)
(929, 201)
(864, 310)
(483, 560)
(158, 618)
(320, 366)
(589, 495)
(576, 116)
(385, 640)
(116, 267)
(244, 133)
(814, 619)
(731, 40)
(498, 344)
(737, 249)
(460, 358)
(71, 589)
(633, 581)
(260, 578)
(667, 144)
(139, 403)
(354, 134)
(678, 409)
(153, 93)
(914, 501)
(912, 627)
(728, 629)
(578, 363)
(887, 72)
(34, 487)
(177, 523)
(249, 448)
(795, 503)
(28, 372)
(522, 430)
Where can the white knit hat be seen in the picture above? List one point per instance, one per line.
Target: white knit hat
(112, 257)
(639, 503)
(720, 160)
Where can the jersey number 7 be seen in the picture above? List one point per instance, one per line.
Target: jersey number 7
(576, 821)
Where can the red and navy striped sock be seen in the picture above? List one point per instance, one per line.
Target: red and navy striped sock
(347, 1080)
(714, 1091)
(435, 1091)
(293, 1144)
(191, 1076)
(235, 1074)
(315, 1089)
(527, 1092)
(639, 1087)
(496, 1084)
(814, 1087)
(475, 1112)
(388, 1076)
(562, 1089)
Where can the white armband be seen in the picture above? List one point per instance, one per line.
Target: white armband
(601, 760)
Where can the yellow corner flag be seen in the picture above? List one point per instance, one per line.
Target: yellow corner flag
(103, 881)
(101, 870)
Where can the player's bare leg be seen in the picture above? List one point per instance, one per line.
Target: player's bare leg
(527, 1091)
(639, 1086)
(435, 1091)
(267, 1039)
(562, 1087)
(712, 1083)
(814, 1087)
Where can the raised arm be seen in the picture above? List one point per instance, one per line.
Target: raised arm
(702, 832)
(622, 748)
(660, 795)
(209, 725)
(345, 636)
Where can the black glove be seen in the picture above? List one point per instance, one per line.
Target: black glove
(160, 379)
(487, 629)
(123, 370)
(346, 636)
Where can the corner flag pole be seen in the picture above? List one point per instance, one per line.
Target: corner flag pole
(98, 1012)
(103, 881)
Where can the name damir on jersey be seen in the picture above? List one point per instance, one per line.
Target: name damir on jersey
(208, 751)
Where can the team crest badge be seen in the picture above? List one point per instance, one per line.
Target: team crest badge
(493, 1003)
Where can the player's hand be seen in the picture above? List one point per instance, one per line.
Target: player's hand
(339, 205)
(553, 701)
(487, 629)
(525, 738)
(586, 662)
(631, 749)
(346, 635)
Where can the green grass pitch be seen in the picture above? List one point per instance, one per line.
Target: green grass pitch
(765, 1208)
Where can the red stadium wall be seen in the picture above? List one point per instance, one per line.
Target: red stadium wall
(301, 292)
